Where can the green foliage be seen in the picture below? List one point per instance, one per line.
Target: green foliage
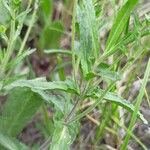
(47, 7)
(42, 84)
(137, 106)
(63, 136)
(104, 71)
(18, 60)
(119, 24)
(114, 98)
(11, 143)
(18, 110)
(51, 31)
(96, 72)
(4, 17)
(89, 36)
(51, 35)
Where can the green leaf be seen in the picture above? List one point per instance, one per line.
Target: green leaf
(92, 26)
(11, 143)
(119, 24)
(114, 98)
(58, 101)
(111, 75)
(42, 84)
(104, 71)
(89, 35)
(63, 136)
(21, 105)
(37, 84)
(16, 61)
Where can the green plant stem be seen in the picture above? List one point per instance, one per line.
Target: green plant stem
(11, 44)
(92, 106)
(104, 122)
(132, 135)
(46, 119)
(73, 60)
(69, 116)
(115, 49)
(9, 49)
(29, 28)
(137, 107)
(61, 71)
(73, 40)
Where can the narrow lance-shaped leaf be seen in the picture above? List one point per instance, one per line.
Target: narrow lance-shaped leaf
(111, 97)
(104, 71)
(114, 98)
(119, 24)
(89, 42)
(93, 26)
(38, 83)
(16, 61)
(42, 84)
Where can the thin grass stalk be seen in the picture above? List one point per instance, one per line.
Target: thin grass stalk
(29, 28)
(137, 107)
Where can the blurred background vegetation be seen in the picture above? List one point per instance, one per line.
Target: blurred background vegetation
(51, 31)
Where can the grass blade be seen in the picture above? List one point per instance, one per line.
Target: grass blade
(119, 24)
(137, 106)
